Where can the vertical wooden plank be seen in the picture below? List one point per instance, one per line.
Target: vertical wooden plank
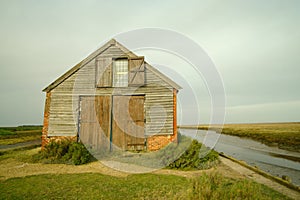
(136, 110)
(84, 121)
(118, 126)
(175, 115)
(91, 121)
(103, 116)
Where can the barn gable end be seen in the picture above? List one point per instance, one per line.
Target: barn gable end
(63, 107)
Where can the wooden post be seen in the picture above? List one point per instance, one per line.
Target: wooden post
(175, 115)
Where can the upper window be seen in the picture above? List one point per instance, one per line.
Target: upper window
(120, 72)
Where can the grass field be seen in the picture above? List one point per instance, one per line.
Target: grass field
(283, 135)
(13, 135)
(139, 186)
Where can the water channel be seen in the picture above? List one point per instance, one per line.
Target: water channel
(273, 160)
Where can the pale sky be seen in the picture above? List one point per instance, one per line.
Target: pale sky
(254, 44)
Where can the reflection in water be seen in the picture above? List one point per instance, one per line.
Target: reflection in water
(273, 160)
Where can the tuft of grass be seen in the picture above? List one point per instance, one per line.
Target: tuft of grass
(138, 186)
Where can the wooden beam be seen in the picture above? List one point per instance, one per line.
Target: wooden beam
(175, 114)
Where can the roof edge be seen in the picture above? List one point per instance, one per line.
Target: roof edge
(79, 65)
(163, 77)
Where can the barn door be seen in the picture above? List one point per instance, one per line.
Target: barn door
(94, 128)
(128, 122)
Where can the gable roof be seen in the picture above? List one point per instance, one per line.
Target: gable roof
(110, 43)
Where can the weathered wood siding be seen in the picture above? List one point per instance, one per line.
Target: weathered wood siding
(64, 105)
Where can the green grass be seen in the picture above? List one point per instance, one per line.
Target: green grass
(14, 135)
(140, 186)
(216, 186)
(283, 135)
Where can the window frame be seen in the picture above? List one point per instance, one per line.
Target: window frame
(114, 83)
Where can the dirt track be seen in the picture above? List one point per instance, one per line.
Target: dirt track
(20, 145)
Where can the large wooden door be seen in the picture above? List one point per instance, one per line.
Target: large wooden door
(94, 122)
(128, 122)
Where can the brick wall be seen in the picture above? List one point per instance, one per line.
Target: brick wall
(58, 138)
(46, 120)
(157, 142)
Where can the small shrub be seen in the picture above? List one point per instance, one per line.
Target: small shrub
(78, 154)
(197, 156)
(56, 149)
(64, 151)
(171, 152)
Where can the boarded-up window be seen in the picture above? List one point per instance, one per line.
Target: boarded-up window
(104, 72)
(120, 72)
(136, 72)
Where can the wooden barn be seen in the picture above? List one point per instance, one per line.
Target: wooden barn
(112, 99)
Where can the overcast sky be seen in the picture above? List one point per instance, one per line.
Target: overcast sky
(254, 44)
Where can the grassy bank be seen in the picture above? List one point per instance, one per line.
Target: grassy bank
(139, 186)
(14, 135)
(283, 135)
